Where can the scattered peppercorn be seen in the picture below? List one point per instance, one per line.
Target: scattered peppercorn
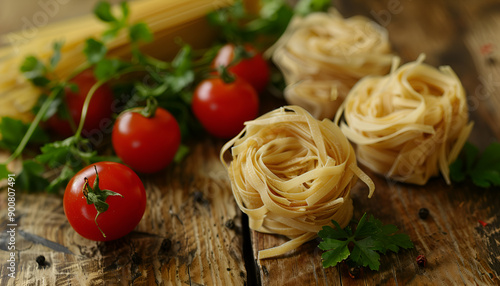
(423, 213)
(491, 61)
(136, 258)
(421, 260)
(230, 223)
(198, 196)
(41, 261)
(165, 246)
(354, 271)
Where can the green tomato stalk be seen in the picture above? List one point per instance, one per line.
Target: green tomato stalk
(97, 197)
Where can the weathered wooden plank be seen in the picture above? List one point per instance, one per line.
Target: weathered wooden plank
(458, 248)
(460, 251)
(190, 234)
(192, 231)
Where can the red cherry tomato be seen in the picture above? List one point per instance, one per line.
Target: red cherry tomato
(99, 108)
(254, 69)
(124, 212)
(147, 145)
(222, 108)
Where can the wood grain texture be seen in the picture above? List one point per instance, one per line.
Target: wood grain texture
(190, 235)
(193, 232)
(460, 251)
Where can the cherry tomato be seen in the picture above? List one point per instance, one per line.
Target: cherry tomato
(147, 145)
(222, 108)
(254, 69)
(124, 212)
(99, 108)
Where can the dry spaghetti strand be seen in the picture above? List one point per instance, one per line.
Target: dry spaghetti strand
(292, 174)
(167, 19)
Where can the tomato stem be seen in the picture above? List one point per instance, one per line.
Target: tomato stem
(240, 53)
(226, 76)
(97, 197)
(150, 109)
(86, 104)
(91, 92)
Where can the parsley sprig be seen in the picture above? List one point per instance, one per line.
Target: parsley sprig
(67, 156)
(157, 83)
(239, 26)
(362, 246)
(483, 169)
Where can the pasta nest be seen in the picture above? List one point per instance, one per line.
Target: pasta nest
(324, 47)
(409, 125)
(292, 174)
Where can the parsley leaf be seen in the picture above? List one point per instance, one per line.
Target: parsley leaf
(370, 239)
(103, 11)
(305, 7)
(13, 131)
(56, 56)
(482, 169)
(140, 32)
(94, 50)
(106, 68)
(35, 71)
(31, 177)
(4, 172)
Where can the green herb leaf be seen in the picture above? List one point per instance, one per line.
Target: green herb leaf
(370, 239)
(364, 253)
(305, 7)
(35, 71)
(140, 32)
(482, 169)
(61, 180)
(238, 26)
(94, 50)
(111, 33)
(103, 11)
(125, 10)
(69, 155)
(108, 68)
(339, 251)
(56, 55)
(56, 154)
(31, 177)
(13, 131)
(4, 172)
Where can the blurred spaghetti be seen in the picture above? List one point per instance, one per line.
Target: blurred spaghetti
(167, 19)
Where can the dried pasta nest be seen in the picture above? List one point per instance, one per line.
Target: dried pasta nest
(410, 124)
(292, 174)
(325, 47)
(318, 97)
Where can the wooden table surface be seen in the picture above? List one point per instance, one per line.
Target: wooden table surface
(194, 234)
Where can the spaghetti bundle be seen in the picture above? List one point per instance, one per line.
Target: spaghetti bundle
(167, 19)
(325, 47)
(408, 125)
(292, 174)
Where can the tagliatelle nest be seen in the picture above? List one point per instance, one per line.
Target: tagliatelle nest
(292, 174)
(409, 125)
(325, 47)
